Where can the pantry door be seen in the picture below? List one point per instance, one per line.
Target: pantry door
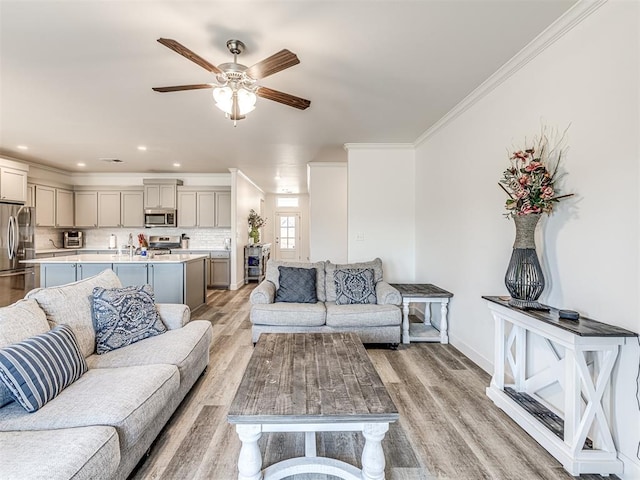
(287, 236)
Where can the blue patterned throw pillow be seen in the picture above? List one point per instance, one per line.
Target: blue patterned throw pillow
(297, 285)
(38, 368)
(355, 285)
(122, 316)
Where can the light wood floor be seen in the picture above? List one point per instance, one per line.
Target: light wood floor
(448, 428)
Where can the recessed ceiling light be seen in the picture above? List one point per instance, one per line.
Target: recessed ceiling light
(22, 147)
(81, 164)
(176, 164)
(142, 148)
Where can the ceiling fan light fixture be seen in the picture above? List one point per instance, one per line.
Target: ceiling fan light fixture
(223, 97)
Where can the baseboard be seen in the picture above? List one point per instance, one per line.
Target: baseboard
(236, 286)
(631, 467)
(471, 354)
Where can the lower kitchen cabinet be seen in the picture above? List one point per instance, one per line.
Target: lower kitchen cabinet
(86, 270)
(167, 281)
(52, 274)
(219, 274)
(131, 274)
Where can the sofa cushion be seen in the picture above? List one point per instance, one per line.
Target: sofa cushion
(71, 304)
(297, 285)
(355, 286)
(330, 268)
(174, 348)
(85, 453)
(129, 399)
(18, 321)
(38, 368)
(273, 274)
(305, 314)
(122, 316)
(363, 315)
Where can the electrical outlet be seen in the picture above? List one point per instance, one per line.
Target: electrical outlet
(360, 237)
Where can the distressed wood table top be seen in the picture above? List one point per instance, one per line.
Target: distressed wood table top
(311, 377)
(425, 290)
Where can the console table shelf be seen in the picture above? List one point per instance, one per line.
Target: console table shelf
(577, 355)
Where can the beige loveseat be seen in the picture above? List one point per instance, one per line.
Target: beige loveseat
(101, 425)
(378, 322)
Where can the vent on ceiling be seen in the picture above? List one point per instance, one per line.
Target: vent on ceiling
(111, 160)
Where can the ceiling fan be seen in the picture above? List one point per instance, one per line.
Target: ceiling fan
(235, 88)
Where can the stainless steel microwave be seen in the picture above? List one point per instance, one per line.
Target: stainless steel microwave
(160, 217)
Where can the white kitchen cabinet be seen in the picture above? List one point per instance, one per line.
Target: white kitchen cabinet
(220, 273)
(64, 208)
(31, 195)
(160, 196)
(109, 209)
(223, 209)
(45, 206)
(13, 185)
(206, 209)
(132, 214)
(86, 209)
(187, 209)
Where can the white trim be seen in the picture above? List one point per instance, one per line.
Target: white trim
(379, 146)
(244, 175)
(471, 354)
(572, 17)
(328, 164)
(631, 467)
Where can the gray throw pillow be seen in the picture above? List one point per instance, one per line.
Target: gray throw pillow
(122, 316)
(297, 285)
(355, 285)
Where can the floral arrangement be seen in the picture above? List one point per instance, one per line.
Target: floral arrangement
(530, 181)
(255, 220)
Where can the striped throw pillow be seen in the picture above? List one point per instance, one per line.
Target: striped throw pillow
(37, 369)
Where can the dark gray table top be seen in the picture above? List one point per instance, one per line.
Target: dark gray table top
(426, 290)
(584, 327)
(311, 378)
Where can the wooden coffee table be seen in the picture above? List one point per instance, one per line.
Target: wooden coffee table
(311, 383)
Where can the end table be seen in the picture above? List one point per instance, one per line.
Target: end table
(424, 293)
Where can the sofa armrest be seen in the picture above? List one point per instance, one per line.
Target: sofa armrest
(265, 292)
(174, 315)
(387, 295)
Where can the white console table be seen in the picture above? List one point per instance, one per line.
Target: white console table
(579, 437)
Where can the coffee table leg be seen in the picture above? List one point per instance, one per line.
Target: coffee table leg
(372, 454)
(250, 459)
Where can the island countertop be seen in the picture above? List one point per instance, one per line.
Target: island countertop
(107, 258)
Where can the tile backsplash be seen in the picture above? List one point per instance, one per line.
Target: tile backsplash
(99, 237)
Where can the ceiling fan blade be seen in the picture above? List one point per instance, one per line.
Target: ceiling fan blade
(186, 53)
(283, 98)
(182, 87)
(273, 64)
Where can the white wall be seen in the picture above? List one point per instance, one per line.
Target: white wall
(327, 185)
(381, 207)
(245, 195)
(590, 244)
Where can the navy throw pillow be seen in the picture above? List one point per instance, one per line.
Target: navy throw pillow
(297, 285)
(38, 368)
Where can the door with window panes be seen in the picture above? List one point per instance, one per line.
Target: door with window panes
(287, 245)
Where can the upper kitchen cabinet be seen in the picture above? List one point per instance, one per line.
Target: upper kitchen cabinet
(187, 209)
(109, 209)
(160, 193)
(132, 210)
(206, 209)
(13, 181)
(54, 206)
(86, 209)
(223, 209)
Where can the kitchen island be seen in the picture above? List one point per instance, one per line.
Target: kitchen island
(175, 278)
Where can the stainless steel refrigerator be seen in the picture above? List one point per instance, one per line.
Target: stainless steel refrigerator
(17, 243)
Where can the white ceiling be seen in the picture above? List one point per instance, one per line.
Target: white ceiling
(76, 78)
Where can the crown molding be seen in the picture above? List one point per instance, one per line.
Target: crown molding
(572, 17)
(240, 173)
(327, 164)
(379, 146)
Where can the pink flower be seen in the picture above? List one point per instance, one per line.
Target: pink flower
(533, 166)
(525, 180)
(527, 209)
(519, 154)
(547, 192)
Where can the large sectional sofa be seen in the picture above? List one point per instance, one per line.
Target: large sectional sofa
(378, 322)
(101, 425)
